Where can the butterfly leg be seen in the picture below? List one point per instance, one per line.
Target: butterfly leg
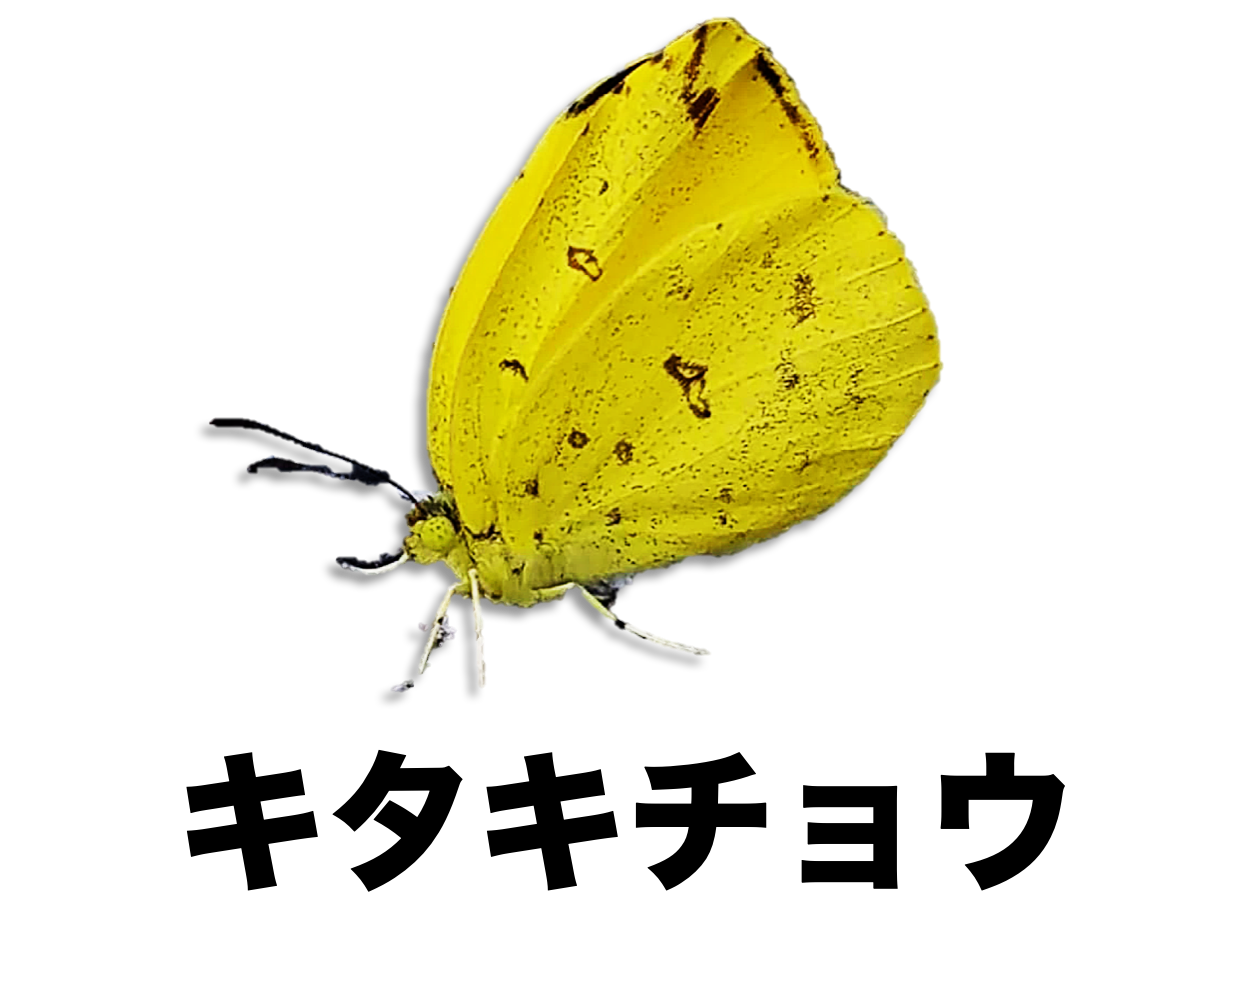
(456, 587)
(482, 663)
(641, 633)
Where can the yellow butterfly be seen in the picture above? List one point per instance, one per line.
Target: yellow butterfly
(678, 334)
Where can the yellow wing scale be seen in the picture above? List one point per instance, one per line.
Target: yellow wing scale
(678, 334)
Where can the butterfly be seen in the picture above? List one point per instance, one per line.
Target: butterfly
(678, 334)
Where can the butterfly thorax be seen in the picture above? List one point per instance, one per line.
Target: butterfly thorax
(436, 534)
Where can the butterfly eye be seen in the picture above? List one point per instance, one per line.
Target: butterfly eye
(435, 535)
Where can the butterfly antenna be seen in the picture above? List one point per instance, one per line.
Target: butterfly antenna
(364, 473)
(386, 562)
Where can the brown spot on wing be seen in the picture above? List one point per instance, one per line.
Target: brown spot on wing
(623, 451)
(804, 305)
(577, 439)
(584, 260)
(703, 105)
(692, 381)
(515, 366)
(531, 488)
(851, 390)
(679, 285)
(613, 517)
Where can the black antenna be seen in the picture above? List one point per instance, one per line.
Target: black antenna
(361, 472)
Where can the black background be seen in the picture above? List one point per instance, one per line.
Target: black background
(329, 181)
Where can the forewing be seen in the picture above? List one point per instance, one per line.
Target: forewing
(641, 169)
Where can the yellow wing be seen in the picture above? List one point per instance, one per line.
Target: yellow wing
(678, 334)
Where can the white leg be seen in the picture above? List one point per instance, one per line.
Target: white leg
(482, 663)
(649, 637)
(433, 635)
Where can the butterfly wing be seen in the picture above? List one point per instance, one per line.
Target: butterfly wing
(678, 334)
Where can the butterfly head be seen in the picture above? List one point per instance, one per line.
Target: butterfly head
(435, 534)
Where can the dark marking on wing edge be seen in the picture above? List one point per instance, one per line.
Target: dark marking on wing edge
(699, 105)
(767, 70)
(612, 84)
(703, 105)
(623, 451)
(577, 439)
(694, 64)
(584, 260)
(690, 376)
(515, 366)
